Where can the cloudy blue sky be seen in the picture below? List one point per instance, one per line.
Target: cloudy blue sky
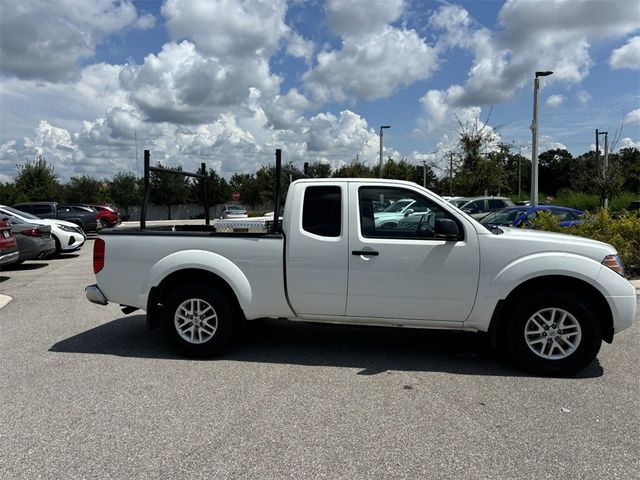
(228, 81)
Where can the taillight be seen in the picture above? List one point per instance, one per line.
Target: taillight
(34, 232)
(98, 255)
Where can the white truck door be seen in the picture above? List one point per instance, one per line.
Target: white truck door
(316, 249)
(404, 271)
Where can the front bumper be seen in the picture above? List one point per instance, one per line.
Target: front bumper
(95, 295)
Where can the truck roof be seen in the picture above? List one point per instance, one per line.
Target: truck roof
(359, 180)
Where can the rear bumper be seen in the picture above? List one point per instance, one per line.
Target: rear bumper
(95, 295)
(7, 258)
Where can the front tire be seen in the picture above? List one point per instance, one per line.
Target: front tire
(553, 334)
(198, 320)
(58, 247)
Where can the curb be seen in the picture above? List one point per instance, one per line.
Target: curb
(4, 300)
(636, 283)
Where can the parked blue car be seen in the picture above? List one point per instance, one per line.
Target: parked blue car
(523, 216)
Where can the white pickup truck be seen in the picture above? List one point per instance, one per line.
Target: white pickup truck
(548, 299)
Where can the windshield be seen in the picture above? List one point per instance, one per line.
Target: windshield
(234, 207)
(398, 206)
(19, 213)
(503, 217)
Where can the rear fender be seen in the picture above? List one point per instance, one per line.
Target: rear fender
(200, 260)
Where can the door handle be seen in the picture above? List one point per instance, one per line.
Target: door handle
(372, 253)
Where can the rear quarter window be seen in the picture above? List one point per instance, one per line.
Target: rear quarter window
(322, 211)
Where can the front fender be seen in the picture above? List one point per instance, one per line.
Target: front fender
(542, 265)
(495, 287)
(201, 260)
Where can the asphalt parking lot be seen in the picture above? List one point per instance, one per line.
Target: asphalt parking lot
(87, 392)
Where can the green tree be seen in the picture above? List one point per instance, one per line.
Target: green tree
(85, 189)
(478, 174)
(556, 169)
(9, 194)
(169, 189)
(218, 189)
(516, 169)
(126, 192)
(248, 188)
(319, 170)
(37, 181)
(629, 159)
(587, 170)
(266, 180)
(356, 169)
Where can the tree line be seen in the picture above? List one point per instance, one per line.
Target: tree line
(467, 171)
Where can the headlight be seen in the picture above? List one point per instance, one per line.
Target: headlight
(66, 228)
(614, 263)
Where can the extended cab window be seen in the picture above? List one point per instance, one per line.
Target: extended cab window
(322, 211)
(416, 218)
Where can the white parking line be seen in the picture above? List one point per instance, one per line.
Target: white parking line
(4, 300)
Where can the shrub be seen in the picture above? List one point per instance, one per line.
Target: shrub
(622, 232)
(622, 201)
(578, 200)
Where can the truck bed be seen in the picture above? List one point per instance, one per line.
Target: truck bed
(145, 257)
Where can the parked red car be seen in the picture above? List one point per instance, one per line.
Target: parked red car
(108, 215)
(8, 246)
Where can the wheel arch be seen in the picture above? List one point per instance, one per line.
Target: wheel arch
(188, 275)
(555, 283)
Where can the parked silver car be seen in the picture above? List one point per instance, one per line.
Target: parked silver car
(34, 241)
(234, 211)
(478, 207)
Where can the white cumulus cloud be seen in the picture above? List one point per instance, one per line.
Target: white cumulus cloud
(632, 117)
(583, 97)
(362, 17)
(554, 101)
(47, 40)
(627, 56)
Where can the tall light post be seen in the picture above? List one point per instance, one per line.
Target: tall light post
(534, 138)
(605, 167)
(382, 127)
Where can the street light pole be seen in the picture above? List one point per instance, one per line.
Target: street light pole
(605, 166)
(381, 129)
(424, 173)
(534, 139)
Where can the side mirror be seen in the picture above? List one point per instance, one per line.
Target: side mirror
(409, 211)
(446, 229)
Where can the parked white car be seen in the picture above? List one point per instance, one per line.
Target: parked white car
(396, 213)
(68, 236)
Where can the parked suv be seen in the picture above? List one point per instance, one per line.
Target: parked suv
(478, 207)
(85, 217)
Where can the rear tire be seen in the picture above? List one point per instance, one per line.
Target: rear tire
(198, 320)
(553, 334)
